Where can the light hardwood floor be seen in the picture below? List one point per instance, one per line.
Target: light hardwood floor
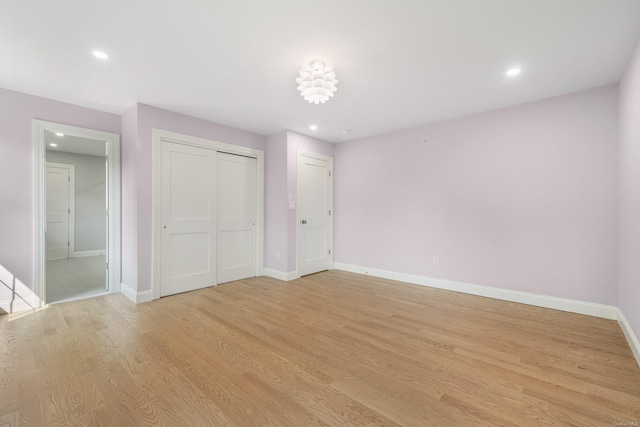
(331, 349)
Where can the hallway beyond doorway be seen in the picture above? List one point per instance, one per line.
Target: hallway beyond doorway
(75, 278)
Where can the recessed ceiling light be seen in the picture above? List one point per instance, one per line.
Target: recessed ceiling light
(59, 134)
(100, 55)
(513, 72)
(53, 145)
(313, 127)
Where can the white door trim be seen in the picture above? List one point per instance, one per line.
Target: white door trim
(158, 136)
(328, 159)
(72, 204)
(112, 141)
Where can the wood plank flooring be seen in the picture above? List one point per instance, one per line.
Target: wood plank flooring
(331, 349)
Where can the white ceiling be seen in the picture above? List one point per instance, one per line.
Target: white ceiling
(75, 144)
(400, 63)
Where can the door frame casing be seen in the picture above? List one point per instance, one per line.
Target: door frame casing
(329, 160)
(158, 136)
(71, 235)
(112, 142)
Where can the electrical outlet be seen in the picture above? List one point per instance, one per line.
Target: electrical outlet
(436, 260)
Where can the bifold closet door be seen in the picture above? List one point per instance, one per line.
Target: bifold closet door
(236, 217)
(188, 218)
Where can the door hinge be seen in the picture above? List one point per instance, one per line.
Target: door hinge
(329, 173)
(329, 212)
(69, 210)
(68, 243)
(329, 251)
(107, 266)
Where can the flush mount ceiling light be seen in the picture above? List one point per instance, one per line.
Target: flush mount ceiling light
(513, 72)
(59, 134)
(100, 55)
(313, 127)
(53, 145)
(317, 82)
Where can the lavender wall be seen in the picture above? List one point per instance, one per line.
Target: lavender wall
(296, 142)
(523, 198)
(148, 119)
(275, 202)
(16, 169)
(629, 231)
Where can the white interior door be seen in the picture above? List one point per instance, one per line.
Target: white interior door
(315, 223)
(57, 231)
(188, 218)
(236, 217)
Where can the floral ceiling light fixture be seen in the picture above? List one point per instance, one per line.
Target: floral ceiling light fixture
(317, 82)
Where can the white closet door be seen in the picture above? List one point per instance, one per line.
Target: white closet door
(188, 218)
(57, 212)
(236, 217)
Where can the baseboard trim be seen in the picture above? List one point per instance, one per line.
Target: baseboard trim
(135, 296)
(128, 292)
(144, 296)
(632, 339)
(17, 296)
(281, 275)
(563, 304)
(16, 305)
(82, 254)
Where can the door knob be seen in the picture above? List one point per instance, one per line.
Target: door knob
(304, 221)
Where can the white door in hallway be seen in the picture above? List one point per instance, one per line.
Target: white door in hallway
(188, 258)
(236, 217)
(58, 181)
(315, 220)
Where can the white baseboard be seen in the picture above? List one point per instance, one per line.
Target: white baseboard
(14, 295)
(144, 296)
(281, 275)
(563, 304)
(135, 296)
(16, 305)
(632, 339)
(128, 292)
(81, 254)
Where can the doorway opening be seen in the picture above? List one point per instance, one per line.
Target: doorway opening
(77, 176)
